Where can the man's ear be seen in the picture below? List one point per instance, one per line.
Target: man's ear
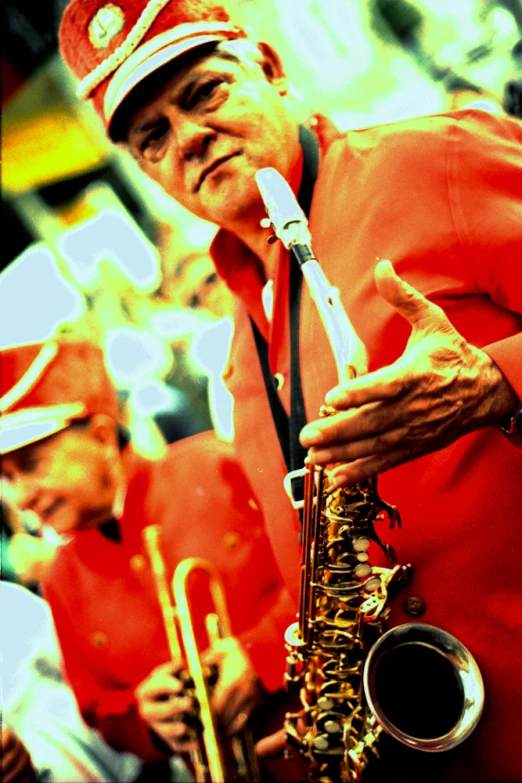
(103, 429)
(273, 68)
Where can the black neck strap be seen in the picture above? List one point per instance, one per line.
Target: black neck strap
(288, 428)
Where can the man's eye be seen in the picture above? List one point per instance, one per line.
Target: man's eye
(28, 463)
(153, 138)
(205, 90)
(211, 278)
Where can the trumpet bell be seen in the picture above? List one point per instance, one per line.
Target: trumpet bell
(424, 687)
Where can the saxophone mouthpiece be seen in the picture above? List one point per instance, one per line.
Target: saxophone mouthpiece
(281, 205)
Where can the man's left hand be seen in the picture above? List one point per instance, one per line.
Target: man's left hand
(238, 689)
(440, 389)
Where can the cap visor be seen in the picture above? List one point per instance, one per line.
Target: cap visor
(29, 426)
(135, 70)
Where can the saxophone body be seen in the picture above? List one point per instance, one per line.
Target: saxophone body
(344, 604)
(355, 679)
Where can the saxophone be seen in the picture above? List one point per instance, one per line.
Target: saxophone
(355, 679)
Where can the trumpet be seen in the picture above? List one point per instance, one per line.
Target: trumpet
(217, 759)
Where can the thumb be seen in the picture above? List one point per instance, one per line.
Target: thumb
(412, 305)
(273, 746)
(214, 653)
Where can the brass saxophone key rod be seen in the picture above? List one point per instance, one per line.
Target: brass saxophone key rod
(318, 478)
(306, 553)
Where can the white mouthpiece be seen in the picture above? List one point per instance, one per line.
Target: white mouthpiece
(280, 203)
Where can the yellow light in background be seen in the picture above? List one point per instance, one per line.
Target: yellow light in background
(44, 148)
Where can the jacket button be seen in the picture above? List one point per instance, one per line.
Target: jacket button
(279, 380)
(99, 639)
(414, 607)
(230, 540)
(137, 563)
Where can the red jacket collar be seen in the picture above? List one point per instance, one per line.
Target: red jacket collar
(235, 263)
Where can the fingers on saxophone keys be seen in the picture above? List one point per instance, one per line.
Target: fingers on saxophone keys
(368, 447)
(340, 428)
(347, 474)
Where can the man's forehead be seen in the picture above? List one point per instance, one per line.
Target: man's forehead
(175, 82)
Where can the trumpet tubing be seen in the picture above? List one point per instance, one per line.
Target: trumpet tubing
(218, 759)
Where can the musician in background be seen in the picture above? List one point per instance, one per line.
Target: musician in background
(202, 107)
(65, 458)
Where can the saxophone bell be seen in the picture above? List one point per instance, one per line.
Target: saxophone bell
(424, 687)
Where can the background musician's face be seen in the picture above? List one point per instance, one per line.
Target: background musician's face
(210, 127)
(67, 479)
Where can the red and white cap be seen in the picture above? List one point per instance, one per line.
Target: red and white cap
(46, 386)
(112, 46)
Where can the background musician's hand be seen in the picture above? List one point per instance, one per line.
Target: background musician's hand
(162, 705)
(440, 389)
(272, 747)
(16, 764)
(238, 689)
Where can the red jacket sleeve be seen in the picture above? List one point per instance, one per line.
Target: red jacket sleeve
(485, 185)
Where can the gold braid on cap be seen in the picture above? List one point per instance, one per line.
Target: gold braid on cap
(30, 378)
(119, 55)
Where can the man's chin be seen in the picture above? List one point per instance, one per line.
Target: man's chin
(72, 524)
(230, 202)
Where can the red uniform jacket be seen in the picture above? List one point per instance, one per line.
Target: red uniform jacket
(441, 197)
(103, 597)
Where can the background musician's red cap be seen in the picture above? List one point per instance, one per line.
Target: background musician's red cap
(112, 46)
(46, 386)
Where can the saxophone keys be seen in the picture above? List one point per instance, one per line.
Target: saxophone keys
(325, 704)
(321, 742)
(362, 570)
(293, 636)
(361, 544)
(333, 726)
(372, 584)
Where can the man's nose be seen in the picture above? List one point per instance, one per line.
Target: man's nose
(193, 138)
(22, 493)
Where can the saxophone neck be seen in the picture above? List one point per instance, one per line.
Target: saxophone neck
(347, 347)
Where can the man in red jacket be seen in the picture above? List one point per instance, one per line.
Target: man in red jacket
(63, 460)
(202, 108)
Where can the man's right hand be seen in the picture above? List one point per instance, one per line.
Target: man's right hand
(163, 707)
(16, 764)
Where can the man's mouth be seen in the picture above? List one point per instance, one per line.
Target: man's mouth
(50, 510)
(212, 167)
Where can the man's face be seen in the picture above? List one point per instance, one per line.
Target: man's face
(65, 479)
(209, 129)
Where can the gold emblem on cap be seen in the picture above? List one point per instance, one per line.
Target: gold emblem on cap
(105, 24)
